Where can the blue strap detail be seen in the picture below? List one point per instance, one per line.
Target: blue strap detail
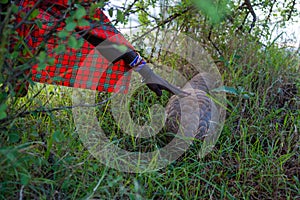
(137, 63)
(140, 66)
(134, 62)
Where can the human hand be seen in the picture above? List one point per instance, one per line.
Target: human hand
(157, 84)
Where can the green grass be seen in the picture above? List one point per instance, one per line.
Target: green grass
(256, 156)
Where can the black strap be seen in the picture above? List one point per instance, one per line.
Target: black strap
(109, 51)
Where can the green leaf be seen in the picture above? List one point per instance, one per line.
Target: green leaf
(34, 14)
(63, 34)
(215, 12)
(120, 16)
(3, 1)
(42, 56)
(39, 23)
(240, 91)
(41, 66)
(14, 54)
(80, 12)
(13, 137)
(111, 12)
(80, 43)
(51, 61)
(24, 178)
(93, 7)
(226, 89)
(3, 111)
(14, 8)
(10, 156)
(58, 136)
(71, 26)
(72, 42)
(34, 134)
(83, 22)
(143, 18)
(69, 19)
(60, 49)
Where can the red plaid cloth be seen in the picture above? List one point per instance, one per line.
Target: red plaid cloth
(81, 68)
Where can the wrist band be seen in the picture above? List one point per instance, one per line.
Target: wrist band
(137, 63)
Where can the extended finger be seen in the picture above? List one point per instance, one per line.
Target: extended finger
(155, 88)
(175, 90)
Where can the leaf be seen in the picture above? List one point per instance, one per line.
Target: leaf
(41, 66)
(245, 94)
(51, 61)
(72, 42)
(14, 8)
(39, 23)
(69, 19)
(24, 178)
(240, 91)
(93, 7)
(13, 137)
(10, 156)
(34, 14)
(226, 89)
(83, 22)
(60, 49)
(80, 43)
(120, 16)
(3, 111)
(63, 34)
(14, 55)
(211, 10)
(80, 12)
(110, 12)
(3, 1)
(42, 56)
(58, 136)
(143, 18)
(71, 26)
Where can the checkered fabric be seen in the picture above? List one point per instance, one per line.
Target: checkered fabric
(81, 68)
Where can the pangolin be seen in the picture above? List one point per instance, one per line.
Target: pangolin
(199, 122)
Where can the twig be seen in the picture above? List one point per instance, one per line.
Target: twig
(127, 11)
(4, 38)
(24, 106)
(270, 12)
(147, 13)
(241, 27)
(214, 45)
(169, 19)
(6, 19)
(155, 41)
(250, 8)
(45, 110)
(27, 15)
(291, 10)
